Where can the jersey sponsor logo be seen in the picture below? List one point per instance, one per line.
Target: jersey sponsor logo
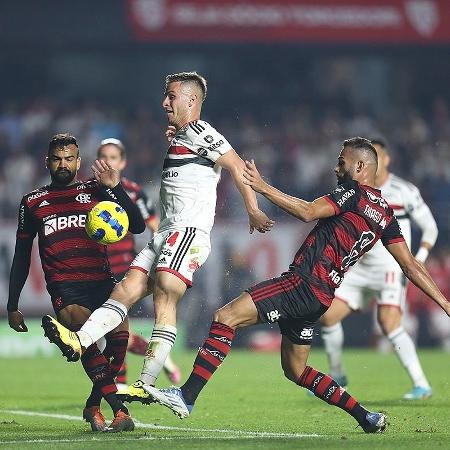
(373, 214)
(83, 198)
(307, 333)
(37, 195)
(81, 186)
(162, 261)
(366, 238)
(61, 223)
(44, 203)
(216, 145)
(273, 316)
(377, 200)
(21, 216)
(169, 174)
(194, 265)
(346, 196)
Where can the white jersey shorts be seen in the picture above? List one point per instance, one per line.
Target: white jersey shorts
(178, 251)
(363, 284)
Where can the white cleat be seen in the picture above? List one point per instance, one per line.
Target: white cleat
(171, 398)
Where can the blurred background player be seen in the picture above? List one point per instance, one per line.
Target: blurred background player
(377, 274)
(122, 253)
(75, 267)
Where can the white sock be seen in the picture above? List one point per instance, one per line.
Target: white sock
(159, 346)
(406, 351)
(103, 320)
(333, 339)
(101, 343)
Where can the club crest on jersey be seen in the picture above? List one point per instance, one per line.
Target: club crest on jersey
(209, 139)
(60, 223)
(83, 198)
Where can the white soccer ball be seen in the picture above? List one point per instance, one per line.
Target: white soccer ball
(107, 222)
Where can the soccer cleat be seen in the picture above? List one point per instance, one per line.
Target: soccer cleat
(121, 422)
(135, 393)
(418, 393)
(94, 416)
(374, 423)
(67, 341)
(173, 375)
(171, 398)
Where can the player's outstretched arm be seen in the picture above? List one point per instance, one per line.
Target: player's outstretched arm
(109, 178)
(235, 165)
(415, 271)
(18, 275)
(301, 209)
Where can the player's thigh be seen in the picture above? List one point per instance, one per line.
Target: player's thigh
(132, 288)
(239, 313)
(337, 312)
(351, 291)
(73, 316)
(293, 358)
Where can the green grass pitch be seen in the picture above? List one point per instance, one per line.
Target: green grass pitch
(248, 404)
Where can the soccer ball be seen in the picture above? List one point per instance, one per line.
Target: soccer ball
(107, 222)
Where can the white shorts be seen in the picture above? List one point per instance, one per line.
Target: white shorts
(179, 251)
(362, 284)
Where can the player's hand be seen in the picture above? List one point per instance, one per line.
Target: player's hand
(105, 174)
(258, 220)
(16, 322)
(170, 132)
(253, 178)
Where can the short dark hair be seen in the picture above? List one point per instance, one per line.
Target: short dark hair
(61, 140)
(113, 141)
(193, 77)
(362, 144)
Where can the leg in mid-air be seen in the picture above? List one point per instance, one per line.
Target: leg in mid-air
(390, 320)
(333, 338)
(101, 371)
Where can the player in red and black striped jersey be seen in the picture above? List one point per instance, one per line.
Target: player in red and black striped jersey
(351, 220)
(76, 267)
(122, 253)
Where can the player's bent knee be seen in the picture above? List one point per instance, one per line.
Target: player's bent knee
(225, 316)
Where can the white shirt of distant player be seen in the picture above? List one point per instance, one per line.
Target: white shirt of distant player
(188, 192)
(405, 199)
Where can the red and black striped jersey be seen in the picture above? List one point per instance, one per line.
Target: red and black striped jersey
(58, 215)
(362, 217)
(122, 253)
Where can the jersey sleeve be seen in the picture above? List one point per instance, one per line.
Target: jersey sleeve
(343, 198)
(145, 206)
(413, 199)
(207, 141)
(26, 227)
(392, 233)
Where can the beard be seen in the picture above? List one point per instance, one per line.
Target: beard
(62, 177)
(344, 178)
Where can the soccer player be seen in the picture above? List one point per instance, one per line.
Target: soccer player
(377, 274)
(76, 268)
(122, 253)
(351, 220)
(165, 267)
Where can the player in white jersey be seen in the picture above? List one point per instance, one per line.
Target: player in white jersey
(165, 267)
(376, 275)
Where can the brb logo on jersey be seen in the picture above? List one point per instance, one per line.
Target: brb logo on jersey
(54, 224)
(83, 198)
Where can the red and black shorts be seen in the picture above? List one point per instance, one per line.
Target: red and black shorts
(89, 294)
(288, 300)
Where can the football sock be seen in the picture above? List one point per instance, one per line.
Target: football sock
(121, 377)
(333, 339)
(406, 351)
(159, 346)
(103, 320)
(115, 403)
(115, 351)
(209, 357)
(137, 344)
(325, 388)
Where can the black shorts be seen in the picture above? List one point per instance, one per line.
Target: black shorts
(289, 301)
(90, 294)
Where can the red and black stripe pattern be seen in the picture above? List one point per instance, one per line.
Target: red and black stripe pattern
(209, 357)
(336, 243)
(325, 388)
(116, 349)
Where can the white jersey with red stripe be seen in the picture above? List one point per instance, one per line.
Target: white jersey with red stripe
(190, 176)
(405, 199)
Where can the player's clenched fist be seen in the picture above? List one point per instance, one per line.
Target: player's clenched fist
(16, 322)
